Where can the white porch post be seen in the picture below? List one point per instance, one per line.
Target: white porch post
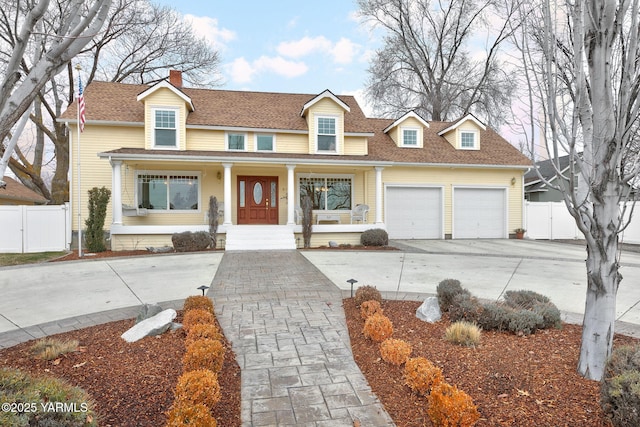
(116, 190)
(227, 193)
(291, 195)
(379, 194)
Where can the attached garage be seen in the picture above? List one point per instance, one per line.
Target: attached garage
(414, 212)
(479, 213)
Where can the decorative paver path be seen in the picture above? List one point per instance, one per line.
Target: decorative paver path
(286, 324)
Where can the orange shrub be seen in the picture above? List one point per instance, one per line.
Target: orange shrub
(450, 407)
(369, 308)
(367, 293)
(395, 351)
(421, 375)
(378, 327)
(196, 316)
(198, 301)
(184, 414)
(204, 354)
(202, 331)
(199, 386)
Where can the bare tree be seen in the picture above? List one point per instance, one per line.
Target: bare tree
(583, 62)
(427, 64)
(20, 20)
(139, 43)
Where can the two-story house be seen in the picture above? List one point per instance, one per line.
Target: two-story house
(164, 149)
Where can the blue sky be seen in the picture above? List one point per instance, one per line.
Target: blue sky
(285, 46)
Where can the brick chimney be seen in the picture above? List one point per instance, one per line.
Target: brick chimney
(175, 78)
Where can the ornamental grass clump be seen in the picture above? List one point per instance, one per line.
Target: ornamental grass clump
(463, 333)
(202, 331)
(369, 308)
(421, 375)
(450, 407)
(198, 301)
(378, 328)
(52, 348)
(620, 387)
(395, 351)
(367, 293)
(196, 316)
(204, 354)
(198, 386)
(184, 414)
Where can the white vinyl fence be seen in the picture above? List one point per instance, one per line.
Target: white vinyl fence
(552, 221)
(26, 229)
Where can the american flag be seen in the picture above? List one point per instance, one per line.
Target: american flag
(81, 106)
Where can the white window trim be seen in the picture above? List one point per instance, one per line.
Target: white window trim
(326, 175)
(176, 110)
(315, 136)
(226, 141)
(476, 139)
(255, 142)
(418, 143)
(169, 173)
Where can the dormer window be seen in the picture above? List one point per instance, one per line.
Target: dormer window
(326, 134)
(165, 133)
(410, 137)
(467, 140)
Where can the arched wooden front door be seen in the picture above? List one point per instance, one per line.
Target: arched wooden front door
(258, 200)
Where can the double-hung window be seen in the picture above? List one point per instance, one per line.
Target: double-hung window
(328, 193)
(236, 141)
(410, 137)
(467, 139)
(165, 132)
(326, 134)
(168, 192)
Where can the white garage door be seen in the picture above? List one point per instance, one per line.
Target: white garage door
(414, 212)
(479, 213)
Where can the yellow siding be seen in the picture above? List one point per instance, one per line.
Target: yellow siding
(329, 108)
(453, 136)
(452, 177)
(355, 146)
(199, 139)
(292, 143)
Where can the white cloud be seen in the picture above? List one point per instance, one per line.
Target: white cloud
(304, 46)
(208, 28)
(344, 51)
(242, 71)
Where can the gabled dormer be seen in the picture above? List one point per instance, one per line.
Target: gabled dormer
(408, 130)
(325, 118)
(464, 134)
(165, 115)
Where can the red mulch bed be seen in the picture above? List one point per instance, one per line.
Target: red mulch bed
(514, 380)
(132, 384)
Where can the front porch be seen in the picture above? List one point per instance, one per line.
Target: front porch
(151, 202)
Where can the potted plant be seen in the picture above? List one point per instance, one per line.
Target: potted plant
(520, 233)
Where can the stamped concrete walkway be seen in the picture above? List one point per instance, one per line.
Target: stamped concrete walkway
(287, 327)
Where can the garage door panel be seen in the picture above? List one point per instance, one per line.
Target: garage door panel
(414, 212)
(479, 213)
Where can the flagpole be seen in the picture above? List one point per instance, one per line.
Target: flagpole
(79, 68)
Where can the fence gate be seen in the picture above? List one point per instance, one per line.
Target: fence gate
(27, 229)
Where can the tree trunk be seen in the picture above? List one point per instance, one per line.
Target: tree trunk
(60, 183)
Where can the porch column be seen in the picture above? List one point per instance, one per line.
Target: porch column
(291, 195)
(116, 190)
(379, 194)
(227, 193)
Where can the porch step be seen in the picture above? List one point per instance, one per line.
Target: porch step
(259, 237)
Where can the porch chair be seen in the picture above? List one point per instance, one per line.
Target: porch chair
(359, 213)
(220, 210)
(297, 215)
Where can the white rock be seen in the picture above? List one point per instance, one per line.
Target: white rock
(429, 311)
(155, 325)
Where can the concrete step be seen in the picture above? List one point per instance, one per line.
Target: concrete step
(259, 237)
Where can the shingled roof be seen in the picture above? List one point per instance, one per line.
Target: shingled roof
(17, 192)
(116, 102)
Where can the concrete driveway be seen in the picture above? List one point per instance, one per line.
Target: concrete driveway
(486, 267)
